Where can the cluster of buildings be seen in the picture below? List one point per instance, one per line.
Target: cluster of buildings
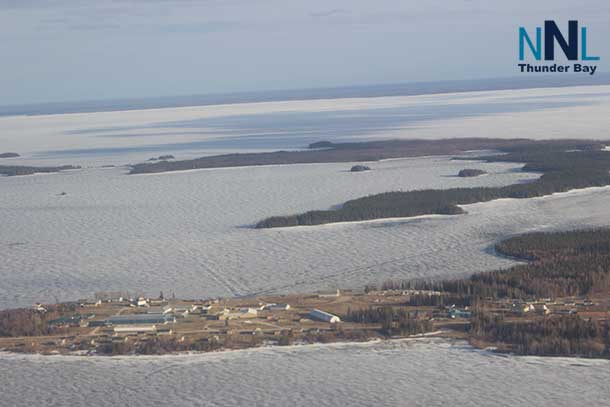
(525, 308)
(154, 313)
(545, 306)
(548, 306)
(405, 292)
(71, 321)
(118, 315)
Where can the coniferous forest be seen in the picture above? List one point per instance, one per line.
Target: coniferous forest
(564, 335)
(564, 166)
(15, 170)
(560, 264)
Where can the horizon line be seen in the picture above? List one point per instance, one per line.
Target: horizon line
(277, 95)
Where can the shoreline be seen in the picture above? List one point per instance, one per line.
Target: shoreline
(368, 221)
(429, 336)
(444, 335)
(263, 166)
(436, 215)
(561, 171)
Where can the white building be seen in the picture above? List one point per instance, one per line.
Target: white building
(542, 309)
(329, 294)
(142, 302)
(135, 329)
(178, 310)
(39, 307)
(277, 307)
(239, 313)
(155, 310)
(324, 316)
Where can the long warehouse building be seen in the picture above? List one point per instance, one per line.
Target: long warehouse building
(137, 319)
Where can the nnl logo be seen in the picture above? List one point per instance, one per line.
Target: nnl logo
(552, 33)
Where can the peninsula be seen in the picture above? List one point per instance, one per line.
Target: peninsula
(564, 166)
(16, 170)
(328, 152)
(558, 304)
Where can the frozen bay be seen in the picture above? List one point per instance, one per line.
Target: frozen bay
(190, 233)
(423, 372)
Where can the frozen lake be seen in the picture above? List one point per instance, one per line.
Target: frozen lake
(190, 233)
(396, 373)
(130, 136)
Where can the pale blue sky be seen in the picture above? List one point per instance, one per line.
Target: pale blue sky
(59, 50)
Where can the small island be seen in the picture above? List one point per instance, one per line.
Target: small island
(471, 172)
(9, 155)
(360, 168)
(321, 144)
(162, 158)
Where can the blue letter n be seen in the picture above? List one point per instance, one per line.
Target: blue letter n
(536, 50)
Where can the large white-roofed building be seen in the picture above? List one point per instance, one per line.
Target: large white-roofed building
(324, 316)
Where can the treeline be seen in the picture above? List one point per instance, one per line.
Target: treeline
(560, 245)
(8, 155)
(561, 264)
(393, 321)
(564, 168)
(327, 152)
(14, 170)
(28, 322)
(157, 346)
(165, 345)
(547, 336)
(442, 300)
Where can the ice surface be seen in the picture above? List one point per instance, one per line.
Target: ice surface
(130, 136)
(395, 373)
(191, 232)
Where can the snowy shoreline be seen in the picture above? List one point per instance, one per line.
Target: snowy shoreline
(581, 191)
